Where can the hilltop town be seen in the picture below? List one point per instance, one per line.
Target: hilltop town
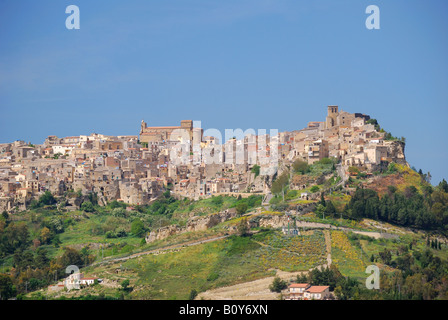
(138, 169)
(258, 215)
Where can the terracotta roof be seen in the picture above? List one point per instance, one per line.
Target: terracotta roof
(166, 127)
(299, 285)
(316, 289)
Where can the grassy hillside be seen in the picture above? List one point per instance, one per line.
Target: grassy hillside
(400, 176)
(174, 274)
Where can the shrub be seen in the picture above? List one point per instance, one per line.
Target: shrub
(256, 169)
(300, 166)
(326, 161)
(278, 285)
(241, 208)
(47, 199)
(87, 206)
(291, 194)
(193, 294)
(137, 228)
(243, 228)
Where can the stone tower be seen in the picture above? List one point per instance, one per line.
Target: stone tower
(331, 116)
(187, 125)
(143, 126)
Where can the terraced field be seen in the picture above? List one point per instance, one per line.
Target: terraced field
(344, 256)
(293, 253)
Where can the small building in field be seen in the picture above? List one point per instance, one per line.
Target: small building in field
(317, 293)
(296, 290)
(305, 291)
(87, 281)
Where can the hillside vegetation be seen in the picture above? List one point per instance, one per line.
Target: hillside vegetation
(36, 246)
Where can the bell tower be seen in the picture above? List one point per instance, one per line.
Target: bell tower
(332, 114)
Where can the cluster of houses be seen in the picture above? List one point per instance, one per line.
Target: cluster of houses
(138, 169)
(305, 291)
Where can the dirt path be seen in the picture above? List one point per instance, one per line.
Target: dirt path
(161, 250)
(259, 289)
(253, 290)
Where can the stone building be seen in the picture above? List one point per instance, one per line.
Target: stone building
(159, 135)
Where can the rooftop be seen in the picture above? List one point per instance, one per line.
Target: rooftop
(317, 289)
(299, 285)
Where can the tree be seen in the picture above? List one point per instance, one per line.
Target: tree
(47, 198)
(386, 256)
(410, 191)
(243, 228)
(326, 161)
(320, 211)
(241, 208)
(87, 206)
(41, 261)
(314, 189)
(125, 285)
(138, 228)
(23, 259)
(119, 212)
(322, 199)
(85, 255)
(443, 185)
(70, 256)
(427, 177)
(277, 285)
(374, 122)
(93, 197)
(280, 183)
(330, 209)
(45, 235)
(15, 236)
(256, 169)
(391, 189)
(7, 289)
(56, 224)
(302, 278)
(300, 166)
(56, 241)
(193, 294)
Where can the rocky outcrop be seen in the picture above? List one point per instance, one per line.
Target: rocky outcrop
(164, 232)
(196, 223)
(6, 204)
(201, 223)
(395, 151)
(275, 222)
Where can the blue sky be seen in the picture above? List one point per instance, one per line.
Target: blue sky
(258, 64)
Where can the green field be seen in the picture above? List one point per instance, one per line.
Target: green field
(172, 275)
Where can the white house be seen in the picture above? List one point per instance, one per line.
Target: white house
(296, 290)
(87, 281)
(76, 280)
(316, 293)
